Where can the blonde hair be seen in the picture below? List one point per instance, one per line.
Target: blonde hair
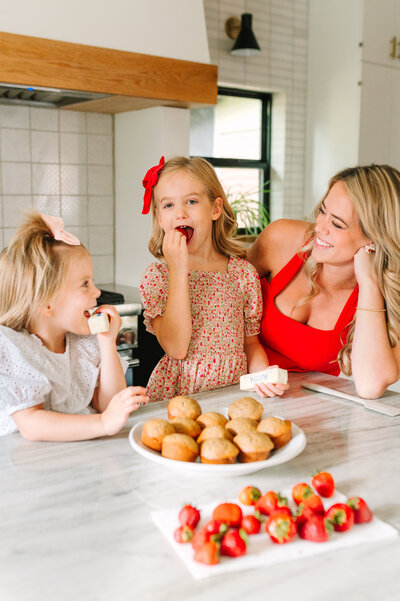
(222, 228)
(375, 193)
(32, 270)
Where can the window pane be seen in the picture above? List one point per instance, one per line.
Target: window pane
(231, 129)
(244, 190)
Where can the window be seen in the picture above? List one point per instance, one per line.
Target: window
(234, 136)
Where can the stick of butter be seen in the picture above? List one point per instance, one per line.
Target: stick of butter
(98, 322)
(272, 375)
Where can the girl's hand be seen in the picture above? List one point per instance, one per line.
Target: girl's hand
(364, 266)
(271, 390)
(115, 323)
(175, 251)
(119, 408)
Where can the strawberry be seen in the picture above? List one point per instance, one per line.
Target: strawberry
(324, 484)
(229, 513)
(316, 529)
(280, 527)
(234, 543)
(189, 516)
(269, 502)
(249, 495)
(362, 512)
(251, 524)
(300, 492)
(208, 553)
(200, 538)
(183, 534)
(314, 504)
(341, 516)
(215, 527)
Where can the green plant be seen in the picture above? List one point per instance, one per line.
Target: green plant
(250, 214)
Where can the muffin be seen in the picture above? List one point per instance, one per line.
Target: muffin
(184, 425)
(214, 432)
(279, 430)
(253, 446)
(183, 406)
(180, 447)
(240, 424)
(154, 431)
(218, 450)
(211, 419)
(246, 407)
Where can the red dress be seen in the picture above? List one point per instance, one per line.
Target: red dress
(294, 345)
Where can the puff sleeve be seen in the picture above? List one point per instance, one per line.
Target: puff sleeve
(154, 292)
(253, 304)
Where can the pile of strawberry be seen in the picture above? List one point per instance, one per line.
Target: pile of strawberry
(228, 530)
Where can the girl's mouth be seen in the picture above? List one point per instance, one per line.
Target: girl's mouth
(186, 230)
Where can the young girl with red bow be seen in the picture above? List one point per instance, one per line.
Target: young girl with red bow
(202, 299)
(57, 382)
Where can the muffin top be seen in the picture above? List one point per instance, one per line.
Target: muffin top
(218, 448)
(274, 425)
(182, 440)
(183, 406)
(246, 407)
(241, 424)
(212, 418)
(185, 425)
(214, 432)
(157, 428)
(253, 442)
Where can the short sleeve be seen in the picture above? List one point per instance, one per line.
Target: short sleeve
(253, 304)
(154, 292)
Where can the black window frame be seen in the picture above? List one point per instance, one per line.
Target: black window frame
(264, 163)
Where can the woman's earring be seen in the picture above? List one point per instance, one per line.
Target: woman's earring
(370, 248)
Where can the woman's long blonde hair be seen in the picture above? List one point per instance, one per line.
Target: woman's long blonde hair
(375, 193)
(222, 228)
(32, 270)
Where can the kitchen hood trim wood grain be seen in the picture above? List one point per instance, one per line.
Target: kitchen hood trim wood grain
(155, 80)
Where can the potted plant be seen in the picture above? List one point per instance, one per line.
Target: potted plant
(250, 214)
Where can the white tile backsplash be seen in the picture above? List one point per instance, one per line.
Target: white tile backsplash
(16, 178)
(100, 150)
(74, 210)
(72, 121)
(47, 204)
(73, 179)
(100, 180)
(15, 145)
(44, 147)
(14, 209)
(101, 240)
(101, 210)
(14, 116)
(73, 148)
(97, 123)
(45, 178)
(44, 119)
(103, 268)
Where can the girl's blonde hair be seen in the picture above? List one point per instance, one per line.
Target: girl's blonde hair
(222, 228)
(375, 193)
(32, 270)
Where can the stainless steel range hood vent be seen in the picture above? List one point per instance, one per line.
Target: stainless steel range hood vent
(47, 97)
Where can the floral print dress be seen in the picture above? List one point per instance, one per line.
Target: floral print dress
(225, 308)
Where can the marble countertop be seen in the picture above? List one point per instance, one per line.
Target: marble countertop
(76, 525)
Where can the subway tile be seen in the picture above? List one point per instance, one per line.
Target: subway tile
(101, 210)
(72, 121)
(73, 179)
(14, 116)
(14, 209)
(44, 147)
(73, 148)
(16, 178)
(45, 178)
(44, 119)
(15, 145)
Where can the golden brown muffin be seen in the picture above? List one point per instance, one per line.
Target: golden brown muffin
(253, 446)
(246, 406)
(218, 450)
(183, 406)
(184, 425)
(154, 431)
(211, 419)
(180, 447)
(279, 430)
(214, 432)
(241, 424)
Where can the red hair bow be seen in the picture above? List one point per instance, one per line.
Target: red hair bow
(149, 181)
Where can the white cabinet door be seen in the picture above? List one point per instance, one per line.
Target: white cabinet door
(381, 25)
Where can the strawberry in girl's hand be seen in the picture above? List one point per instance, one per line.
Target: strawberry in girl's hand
(234, 543)
(280, 527)
(189, 516)
(229, 513)
(183, 534)
(208, 553)
(341, 516)
(300, 492)
(251, 524)
(249, 495)
(362, 512)
(324, 484)
(315, 529)
(270, 502)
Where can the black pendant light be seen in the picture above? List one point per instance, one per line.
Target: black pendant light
(246, 43)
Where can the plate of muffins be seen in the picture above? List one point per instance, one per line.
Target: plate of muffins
(239, 440)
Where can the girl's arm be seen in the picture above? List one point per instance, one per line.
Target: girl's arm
(38, 424)
(174, 328)
(257, 360)
(112, 378)
(375, 365)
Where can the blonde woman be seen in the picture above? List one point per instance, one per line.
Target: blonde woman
(331, 290)
(57, 382)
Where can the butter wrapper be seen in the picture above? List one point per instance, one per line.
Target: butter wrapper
(272, 375)
(98, 323)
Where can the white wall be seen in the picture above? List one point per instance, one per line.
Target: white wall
(140, 139)
(171, 28)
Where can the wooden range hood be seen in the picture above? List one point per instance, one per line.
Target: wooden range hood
(134, 81)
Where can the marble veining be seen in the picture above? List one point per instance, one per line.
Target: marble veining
(76, 525)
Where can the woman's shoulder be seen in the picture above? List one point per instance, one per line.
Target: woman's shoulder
(277, 244)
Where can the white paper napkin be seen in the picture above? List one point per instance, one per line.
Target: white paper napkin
(261, 551)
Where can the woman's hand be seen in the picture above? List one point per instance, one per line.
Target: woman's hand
(115, 323)
(364, 266)
(271, 390)
(119, 408)
(175, 251)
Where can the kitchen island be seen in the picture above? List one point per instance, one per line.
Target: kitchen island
(76, 523)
